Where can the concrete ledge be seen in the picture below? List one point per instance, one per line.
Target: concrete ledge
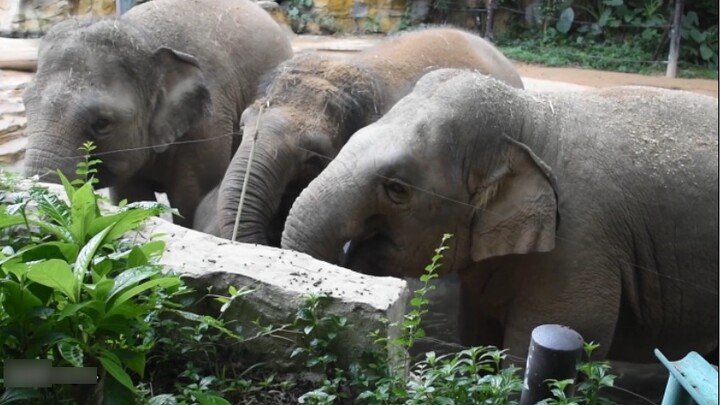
(280, 278)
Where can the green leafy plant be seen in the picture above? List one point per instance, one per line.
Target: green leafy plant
(75, 291)
(595, 376)
(600, 34)
(299, 12)
(471, 376)
(699, 45)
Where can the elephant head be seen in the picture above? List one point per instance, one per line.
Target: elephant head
(309, 107)
(444, 159)
(106, 81)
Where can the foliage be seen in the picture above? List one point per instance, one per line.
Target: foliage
(471, 376)
(299, 12)
(594, 377)
(699, 45)
(643, 25)
(186, 366)
(72, 289)
(627, 57)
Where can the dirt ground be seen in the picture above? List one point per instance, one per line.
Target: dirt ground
(598, 78)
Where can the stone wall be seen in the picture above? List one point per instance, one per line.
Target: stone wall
(32, 18)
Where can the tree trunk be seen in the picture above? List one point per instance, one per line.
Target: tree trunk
(490, 21)
(675, 38)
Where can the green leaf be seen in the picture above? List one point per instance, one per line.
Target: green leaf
(130, 277)
(43, 293)
(133, 360)
(72, 309)
(565, 21)
(51, 205)
(19, 394)
(101, 269)
(59, 232)
(163, 282)
(51, 250)
(120, 222)
(69, 189)
(115, 393)
(7, 220)
(698, 36)
(84, 209)
(118, 324)
(705, 52)
(70, 350)
(137, 257)
(103, 288)
(56, 274)
(19, 270)
(114, 368)
(204, 398)
(128, 310)
(86, 255)
(602, 21)
(19, 301)
(153, 249)
(163, 399)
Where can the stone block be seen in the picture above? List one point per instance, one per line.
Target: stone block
(281, 279)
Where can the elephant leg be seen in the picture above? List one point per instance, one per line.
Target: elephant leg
(186, 202)
(475, 326)
(585, 297)
(132, 191)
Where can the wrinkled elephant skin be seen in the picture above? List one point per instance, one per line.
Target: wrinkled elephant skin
(311, 106)
(597, 210)
(159, 90)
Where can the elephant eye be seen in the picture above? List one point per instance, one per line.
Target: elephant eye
(397, 192)
(315, 162)
(101, 127)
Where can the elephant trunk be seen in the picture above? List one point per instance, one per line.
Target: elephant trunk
(322, 219)
(270, 173)
(46, 153)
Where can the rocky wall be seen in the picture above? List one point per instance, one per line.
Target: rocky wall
(32, 18)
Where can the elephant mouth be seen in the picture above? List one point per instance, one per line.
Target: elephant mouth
(369, 255)
(277, 221)
(105, 177)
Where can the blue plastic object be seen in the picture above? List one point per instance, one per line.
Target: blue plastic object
(692, 380)
(121, 6)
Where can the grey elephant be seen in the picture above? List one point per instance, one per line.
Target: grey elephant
(159, 90)
(311, 106)
(206, 214)
(597, 210)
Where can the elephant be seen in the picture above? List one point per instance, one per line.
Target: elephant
(159, 91)
(597, 210)
(205, 219)
(313, 103)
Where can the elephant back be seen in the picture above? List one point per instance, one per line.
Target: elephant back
(401, 61)
(223, 36)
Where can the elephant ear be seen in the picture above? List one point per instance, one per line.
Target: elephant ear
(516, 207)
(183, 97)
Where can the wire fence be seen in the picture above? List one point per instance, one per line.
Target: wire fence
(599, 178)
